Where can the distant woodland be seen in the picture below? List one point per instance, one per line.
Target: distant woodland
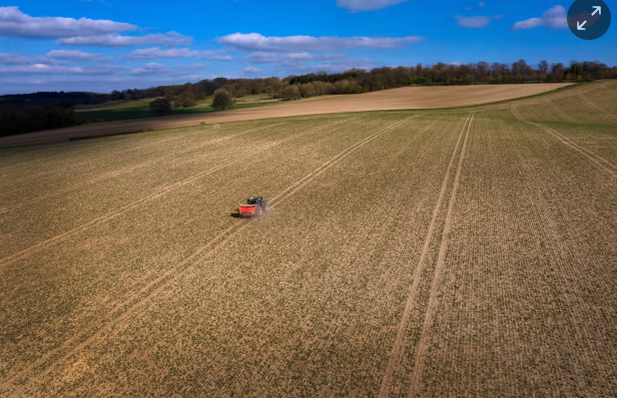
(40, 111)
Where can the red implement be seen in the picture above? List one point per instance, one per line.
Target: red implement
(247, 211)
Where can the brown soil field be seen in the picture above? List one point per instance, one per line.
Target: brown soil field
(436, 253)
(399, 98)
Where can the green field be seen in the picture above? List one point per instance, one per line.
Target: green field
(459, 252)
(138, 109)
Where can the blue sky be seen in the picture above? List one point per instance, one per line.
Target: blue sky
(102, 45)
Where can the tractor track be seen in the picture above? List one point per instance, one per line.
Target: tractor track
(301, 183)
(116, 173)
(420, 353)
(600, 161)
(398, 349)
(596, 107)
(559, 111)
(170, 188)
(124, 310)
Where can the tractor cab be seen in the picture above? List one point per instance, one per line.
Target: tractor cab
(254, 200)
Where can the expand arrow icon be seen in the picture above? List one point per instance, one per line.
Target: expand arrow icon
(598, 10)
(579, 26)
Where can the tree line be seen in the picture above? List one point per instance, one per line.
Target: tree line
(19, 119)
(361, 81)
(14, 120)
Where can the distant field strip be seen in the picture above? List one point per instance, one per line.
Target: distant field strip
(403, 98)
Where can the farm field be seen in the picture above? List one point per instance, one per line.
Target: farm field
(426, 253)
(398, 98)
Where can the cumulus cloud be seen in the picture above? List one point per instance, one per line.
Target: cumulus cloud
(74, 55)
(553, 18)
(114, 40)
(155, 52)
(14, 23)
(367, 5)
(257, 42)
(12, 59)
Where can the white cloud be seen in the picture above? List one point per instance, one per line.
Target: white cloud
(553, 18)
(251, 69)
(528, 24)
(55, 70)
(36, 68)
(481, 4)
(150, 68)
(257, 42)
(14, 23)
(167, 39)
(155, 52)
(367, 5)
(331, 67)
(472, 22)
(154, 68)
(74, 55)
(306, 62)
(103, 70)
(262, 57)
(12, 59)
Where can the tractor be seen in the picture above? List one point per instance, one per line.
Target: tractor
(255, 206)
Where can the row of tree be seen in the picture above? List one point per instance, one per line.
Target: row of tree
(361, 81)
(163, 106)
(20, 117)
(18, 120)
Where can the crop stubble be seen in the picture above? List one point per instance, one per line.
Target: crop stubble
(359, 221)
(526, 306)
(321, 168)
(499, 231)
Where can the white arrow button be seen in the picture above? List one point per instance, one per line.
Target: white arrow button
(579, 26)
(598, 10)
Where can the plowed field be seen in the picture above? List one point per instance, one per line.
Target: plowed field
(462, 252)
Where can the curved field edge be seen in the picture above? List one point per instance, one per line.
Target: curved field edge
(150, 124)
